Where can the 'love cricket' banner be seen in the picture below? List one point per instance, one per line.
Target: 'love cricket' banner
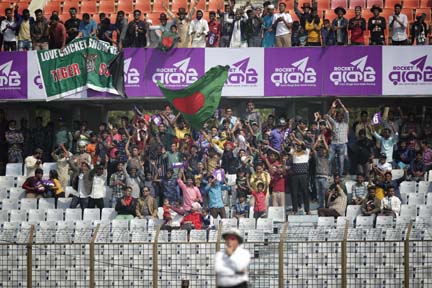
(82, 64)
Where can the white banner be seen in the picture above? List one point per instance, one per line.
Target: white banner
(246, 75)
(407, 70)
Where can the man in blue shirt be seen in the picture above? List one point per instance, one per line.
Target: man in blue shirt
(87, 27)
(214, 190)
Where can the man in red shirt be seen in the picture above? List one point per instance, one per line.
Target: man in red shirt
(57, 33)
(214, 31)
(357, 25)
(277, 184)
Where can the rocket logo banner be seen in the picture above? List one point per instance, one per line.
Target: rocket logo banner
(82, 64)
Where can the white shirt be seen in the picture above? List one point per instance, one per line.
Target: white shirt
(200, 27)
(281, 28)
(300, 158)
(229, 268)
(81, 187)
(8, 35)
(30, 164)
(236, 41)
(384, 167)
(398, 32)
(98, 186)
(392, 203)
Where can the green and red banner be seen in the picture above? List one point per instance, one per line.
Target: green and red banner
(82, 64)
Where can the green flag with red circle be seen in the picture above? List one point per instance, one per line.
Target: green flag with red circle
(199, 101)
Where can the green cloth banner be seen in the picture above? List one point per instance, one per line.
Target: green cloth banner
(82, 64)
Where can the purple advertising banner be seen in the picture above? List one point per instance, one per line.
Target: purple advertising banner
(350, 71)
(134, 61)
(13, 75)
(176, 69)
(297, 73)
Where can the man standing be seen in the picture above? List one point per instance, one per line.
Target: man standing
(226, 24)
(231, 264)
(216, 204)
(214, 31)
(198, 30)
(57, 34)
(72, 25)
(39, 32)
(338, 146)
(182, 21)
(283, 23)
(97, 194)
(33, 162)
(398, 24)
(87, 27)
(136, 32)
(306, 12)
(8, 27)
(122, 26)
(238, 36)
(357, 25)
(340, 25)
(313, 28)
(254, 28)
(377, 26)
(190, 193)
(24, 24)
(253, 115)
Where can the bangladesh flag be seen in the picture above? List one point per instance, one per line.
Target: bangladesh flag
(199, 101)
(168, 41)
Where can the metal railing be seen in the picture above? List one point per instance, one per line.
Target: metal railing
(354, 259)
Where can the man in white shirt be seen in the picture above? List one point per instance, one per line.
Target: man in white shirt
(198, 30)
(283, 23)
(231, 265)
(398, 24)
(390, 205)
(33, 162)
(7, 28)
(98, 188)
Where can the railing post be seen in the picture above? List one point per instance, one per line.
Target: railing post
(281, 255)
(219, 236)
(406, 257)
(344, 256)
(30, 258)
(155, 257)
(92, 257)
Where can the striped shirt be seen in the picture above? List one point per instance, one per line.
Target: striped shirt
(340, 130)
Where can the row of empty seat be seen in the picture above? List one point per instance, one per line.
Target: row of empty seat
(19, 169)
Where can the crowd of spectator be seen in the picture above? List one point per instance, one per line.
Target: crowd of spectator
(230, 26)
(236, 161)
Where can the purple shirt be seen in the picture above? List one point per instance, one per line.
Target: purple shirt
(276, 139)
(427, 157)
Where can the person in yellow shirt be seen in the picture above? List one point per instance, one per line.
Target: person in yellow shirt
(181, 130)
(313, 27)
(57, 189)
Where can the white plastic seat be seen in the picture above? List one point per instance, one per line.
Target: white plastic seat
(73, 214)
(154, 223)
(121, 224)
(384, 221)
(108, 214)
(9, 204)
(246, 223)
(160, 212)
(136, 224)
(19, 181)
(265, 225)
(364, 221)
(18, 216)
(54, 215)
(326, 221)
(197, 236)
(353, 211)
(342, 220)
(28, 203)
(69, 190)
(63, 203)
(16, 193)
(179, 236)
(349, 184)
(425, 211)
(403, 220)
(407, 187)
(48, 166)
(46, 203)
(409, 211)
(276, 213)
(4, 216)
(397, 173)
(36, 216)
(429, 199)
(425, 187)
(3, 193)
(14, 169)
(229, 223)
(7, 181)
(416, 199)
(307, 220)
(92, 214)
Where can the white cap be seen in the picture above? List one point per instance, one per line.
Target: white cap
(233, 232)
